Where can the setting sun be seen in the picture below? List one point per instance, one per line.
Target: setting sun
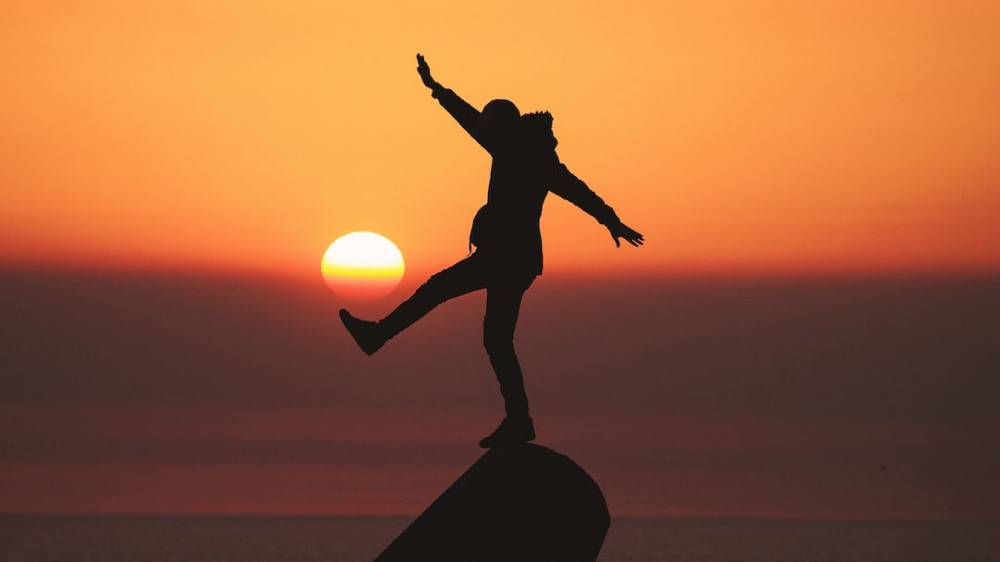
(362, 265)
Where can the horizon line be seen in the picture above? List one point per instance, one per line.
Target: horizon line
(413, 275)
(874, 518)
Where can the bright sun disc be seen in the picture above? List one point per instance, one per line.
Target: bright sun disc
(363, 265)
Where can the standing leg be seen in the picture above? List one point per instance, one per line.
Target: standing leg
(463, 277)
(503, 304)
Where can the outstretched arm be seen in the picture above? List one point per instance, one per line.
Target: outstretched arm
(466, 115)
(569, 187)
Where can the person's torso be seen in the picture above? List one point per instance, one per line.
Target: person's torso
(508, 228)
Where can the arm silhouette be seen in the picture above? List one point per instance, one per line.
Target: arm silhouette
(463, 112)
(573, 189)
(562, 182)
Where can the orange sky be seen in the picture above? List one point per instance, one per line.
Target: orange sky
(737, 136)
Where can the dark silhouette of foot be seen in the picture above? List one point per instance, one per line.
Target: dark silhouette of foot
(512, 431)
(365, 332)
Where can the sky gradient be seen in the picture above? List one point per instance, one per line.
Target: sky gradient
(737, 136)
(809, 330)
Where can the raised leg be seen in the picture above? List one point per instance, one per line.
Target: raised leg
(464, 277)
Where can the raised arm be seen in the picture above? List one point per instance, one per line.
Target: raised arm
(563, 183)
(466, 115)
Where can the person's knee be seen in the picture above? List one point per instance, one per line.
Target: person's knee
(498, 345)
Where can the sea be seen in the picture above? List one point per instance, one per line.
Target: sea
(356, 539)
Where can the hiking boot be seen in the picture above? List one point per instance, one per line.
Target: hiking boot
(365, 332)
(512, 431)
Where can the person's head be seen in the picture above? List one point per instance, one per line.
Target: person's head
(499, 119)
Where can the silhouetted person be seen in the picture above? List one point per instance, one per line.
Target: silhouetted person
(507, 238)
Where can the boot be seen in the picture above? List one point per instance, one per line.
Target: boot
(512, 431)
(366, 333)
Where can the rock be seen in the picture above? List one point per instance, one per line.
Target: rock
(521, 503)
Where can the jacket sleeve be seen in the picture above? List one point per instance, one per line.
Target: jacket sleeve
(463, 112)
(563, 183)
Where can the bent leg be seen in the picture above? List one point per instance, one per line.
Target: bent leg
(503, 304)
(463, 277)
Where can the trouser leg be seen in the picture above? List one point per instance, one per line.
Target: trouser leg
(459, 279)
(503, 303)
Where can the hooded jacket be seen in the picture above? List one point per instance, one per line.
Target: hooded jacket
(525, 169)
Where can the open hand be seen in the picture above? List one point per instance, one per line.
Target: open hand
(619, 230)
(425, 72)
